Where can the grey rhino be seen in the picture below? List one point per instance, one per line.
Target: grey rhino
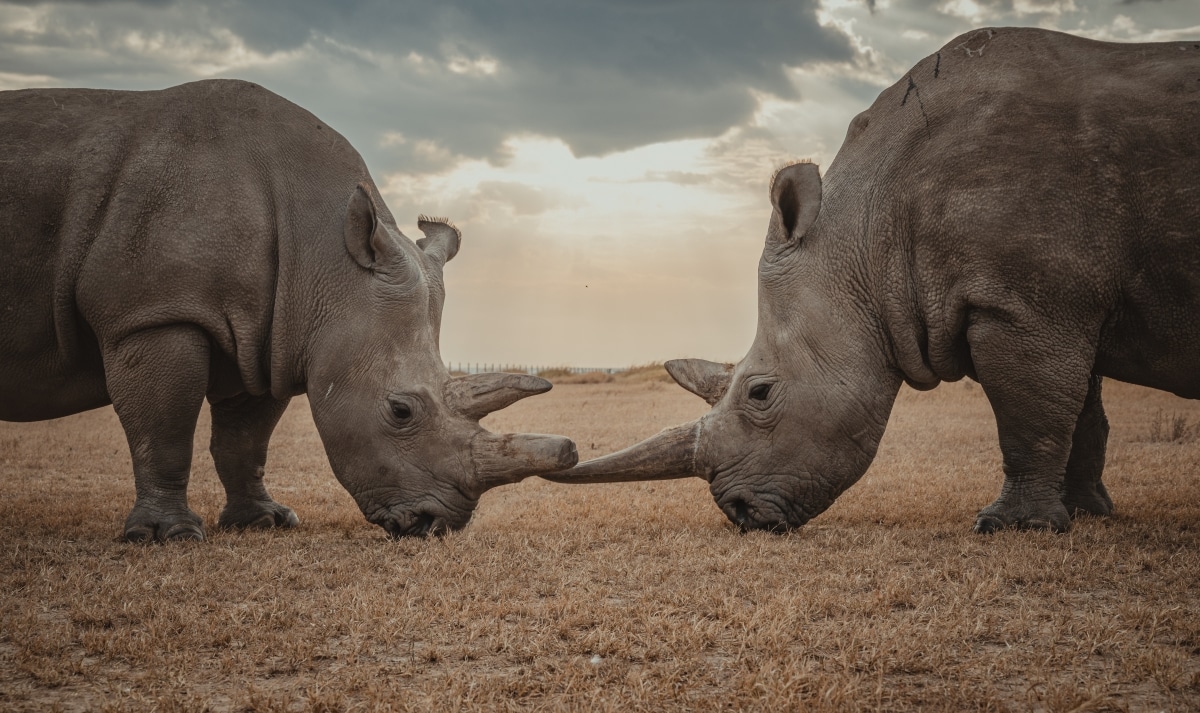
(215, 240)
(1022, 208)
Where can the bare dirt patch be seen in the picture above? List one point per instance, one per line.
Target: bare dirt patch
(608, 597)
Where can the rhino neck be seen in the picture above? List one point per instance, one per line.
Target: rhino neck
(882, 188)
(921, 302)
(310, 263)
(287, 344)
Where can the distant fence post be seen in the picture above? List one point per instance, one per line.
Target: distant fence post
(530, 369)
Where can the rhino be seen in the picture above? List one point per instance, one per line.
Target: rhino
(1021, 208)
(216, 241)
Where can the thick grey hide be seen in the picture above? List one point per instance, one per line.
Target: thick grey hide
(216, 241)
(1021, 208)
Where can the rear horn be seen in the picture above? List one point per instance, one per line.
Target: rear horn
(477, 395)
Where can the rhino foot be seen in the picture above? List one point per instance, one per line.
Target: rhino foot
(1092, 500)
(257, 515)
(1002, 516)
(146, 526)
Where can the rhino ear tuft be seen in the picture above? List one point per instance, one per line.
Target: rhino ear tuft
(706, 379)
(442, 238)
(796, 199)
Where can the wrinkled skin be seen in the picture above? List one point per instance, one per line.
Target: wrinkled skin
(216, 241)
(1022, 208)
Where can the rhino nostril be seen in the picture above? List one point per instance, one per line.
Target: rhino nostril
(393, 527)
(420, 524)
(423, 525)
(739, 512)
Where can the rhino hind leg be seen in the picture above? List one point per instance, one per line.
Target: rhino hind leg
(241, 430)
(1037, 382)
(157, 379)
(1084, 493)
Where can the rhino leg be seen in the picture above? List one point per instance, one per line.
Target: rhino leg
(241, 429)
(1084, 491)
(1037, 383)
(157, 379)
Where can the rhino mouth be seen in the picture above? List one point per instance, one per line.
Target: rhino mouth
(419, 525)
(403, 522)
(750, 513)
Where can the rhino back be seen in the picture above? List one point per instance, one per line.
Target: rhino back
(123, 211)
(1028, 170)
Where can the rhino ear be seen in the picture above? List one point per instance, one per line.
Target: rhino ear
(706, 379)
(796, 199)
(371, 244)
(441, 239)
(365, 237)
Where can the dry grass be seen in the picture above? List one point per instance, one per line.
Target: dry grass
(886, 601)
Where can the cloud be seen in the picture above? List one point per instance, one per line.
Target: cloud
(682, 178)
(462, 75)
(1125, 29)
(607, 160)
(518, 198)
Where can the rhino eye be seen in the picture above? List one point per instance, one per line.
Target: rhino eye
(759, 393)
(402, 412)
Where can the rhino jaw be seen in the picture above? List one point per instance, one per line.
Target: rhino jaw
(495, 459)
(668, 455)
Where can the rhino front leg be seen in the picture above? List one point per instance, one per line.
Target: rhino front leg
(156, 380)
(1036, 381)
(1084, 491)
(241, 430)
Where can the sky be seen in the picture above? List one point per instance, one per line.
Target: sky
(607, 162)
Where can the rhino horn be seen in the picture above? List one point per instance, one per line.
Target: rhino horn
(477, 395)
(706, 379)
(500, 459)
(670, 454)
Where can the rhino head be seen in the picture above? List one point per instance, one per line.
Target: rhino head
(403, 435)
(799, 419)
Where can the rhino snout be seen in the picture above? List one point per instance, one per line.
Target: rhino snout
(751, 511)
(416, 522)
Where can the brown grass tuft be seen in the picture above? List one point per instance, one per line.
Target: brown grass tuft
(645, 373)
(591, 377)
(1176, 428)
(886, 601)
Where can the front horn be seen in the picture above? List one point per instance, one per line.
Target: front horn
(668, 455)
(500, 459)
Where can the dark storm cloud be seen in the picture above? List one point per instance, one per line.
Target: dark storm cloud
(94, 3)
(603, 76)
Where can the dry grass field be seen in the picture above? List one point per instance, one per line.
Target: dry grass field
(610, 597)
